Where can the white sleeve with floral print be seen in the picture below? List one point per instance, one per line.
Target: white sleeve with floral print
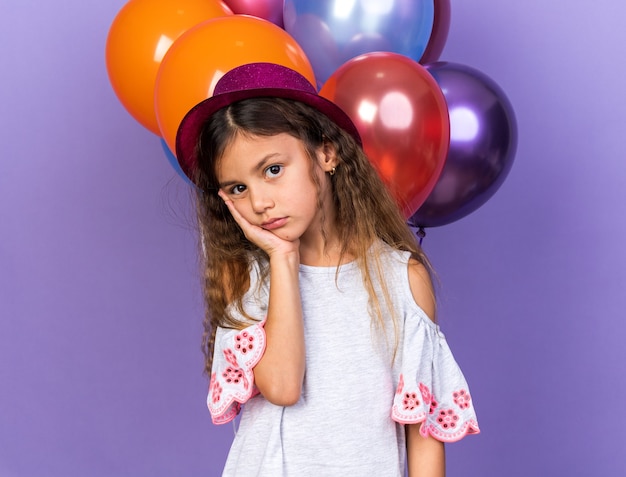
(232, 378)
(431, 387)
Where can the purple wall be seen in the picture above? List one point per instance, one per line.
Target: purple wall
(100, 368)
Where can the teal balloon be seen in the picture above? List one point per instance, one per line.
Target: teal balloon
(332, 32)
(171, 158)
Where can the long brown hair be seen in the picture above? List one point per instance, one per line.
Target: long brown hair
(365, 211)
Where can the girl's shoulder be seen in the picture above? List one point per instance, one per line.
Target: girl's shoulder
(256, 294)
(422, 288)
(400, 269)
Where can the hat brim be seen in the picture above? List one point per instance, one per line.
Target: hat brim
(192, 124)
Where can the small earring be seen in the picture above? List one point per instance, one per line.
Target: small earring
(332, 171)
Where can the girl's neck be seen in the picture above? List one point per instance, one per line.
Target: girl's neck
(323, 254)
(321, 246)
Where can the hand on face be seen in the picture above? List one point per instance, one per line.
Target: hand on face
(264, 239)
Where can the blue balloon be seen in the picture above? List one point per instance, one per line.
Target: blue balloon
(332, 32)
(171, 158)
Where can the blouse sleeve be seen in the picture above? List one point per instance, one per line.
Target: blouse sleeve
(431, 388)
(232, 379)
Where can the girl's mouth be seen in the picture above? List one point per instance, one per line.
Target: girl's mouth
(273, 224)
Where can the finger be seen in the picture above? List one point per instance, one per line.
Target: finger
(262, 238)
(246, 226)
(229, 203)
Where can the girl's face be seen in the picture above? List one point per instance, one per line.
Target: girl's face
(269, 181)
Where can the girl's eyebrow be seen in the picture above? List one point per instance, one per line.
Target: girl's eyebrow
(258, 167)
(261, 164)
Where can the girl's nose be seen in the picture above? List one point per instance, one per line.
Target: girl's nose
(260, 200)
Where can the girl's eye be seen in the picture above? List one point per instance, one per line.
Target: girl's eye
(274, 170)
(238, 189)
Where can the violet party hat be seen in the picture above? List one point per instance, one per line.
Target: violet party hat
(253, 80)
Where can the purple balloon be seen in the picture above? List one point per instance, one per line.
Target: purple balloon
(483, 140)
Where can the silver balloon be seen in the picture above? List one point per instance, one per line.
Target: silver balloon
(331, 32)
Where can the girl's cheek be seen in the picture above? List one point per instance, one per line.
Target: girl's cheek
(240, 207)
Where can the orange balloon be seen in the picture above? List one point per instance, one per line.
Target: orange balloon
(139, 37)
(201, 56)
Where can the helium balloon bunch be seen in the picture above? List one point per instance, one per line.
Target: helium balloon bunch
(165, 56)
(441, 135)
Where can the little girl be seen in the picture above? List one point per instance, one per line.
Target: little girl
(320, 315)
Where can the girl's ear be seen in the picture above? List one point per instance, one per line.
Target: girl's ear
(327, 156)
